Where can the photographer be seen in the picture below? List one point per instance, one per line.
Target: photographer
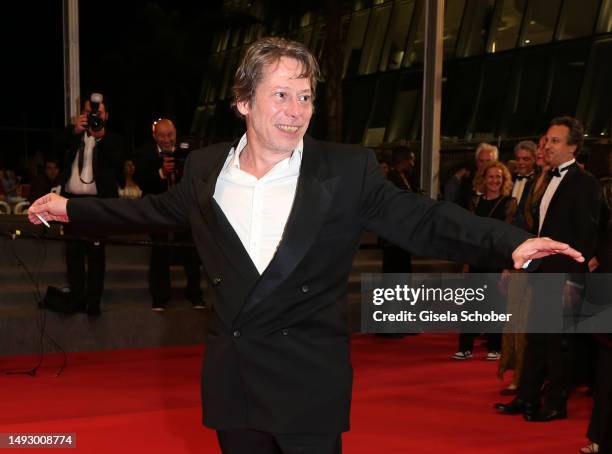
(93, 158)
(159, 166)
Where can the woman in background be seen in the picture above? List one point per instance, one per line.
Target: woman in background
(129, 189)
(495, 202)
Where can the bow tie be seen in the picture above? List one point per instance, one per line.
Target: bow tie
(523, 177)
(556, 172)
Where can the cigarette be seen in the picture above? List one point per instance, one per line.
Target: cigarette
(43, 220)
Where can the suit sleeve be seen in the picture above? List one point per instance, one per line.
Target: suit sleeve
(586, 221)
(152, 214)
(434, 229)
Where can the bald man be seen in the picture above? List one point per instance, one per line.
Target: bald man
(156, 171)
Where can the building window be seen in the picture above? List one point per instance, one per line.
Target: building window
(354, 42)
(577, 18)
(527, 93)
(568, 70)
(604, 25)
(304, 35)
(506, 25)
(475, 27)
(224, 40)
(595, 108)
(231, 63)
(357, 100)
(495, 79)
(395, 43)
(459, 96)
(386, 89)
(374, 39)
(405, 115)
(453, 12)
(416, 41)
(540, 22)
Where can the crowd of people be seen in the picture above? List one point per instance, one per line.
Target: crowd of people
(276, 218)
(91, 161)
(544, 190)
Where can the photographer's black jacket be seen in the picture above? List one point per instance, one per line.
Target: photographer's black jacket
(148, 162)
(107, 161)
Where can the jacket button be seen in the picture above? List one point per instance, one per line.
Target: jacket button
(305, 289)
(236, 333)
(217, 280)
(285, 332)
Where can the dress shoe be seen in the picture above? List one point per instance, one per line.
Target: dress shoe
(515, 407)
(545, 415)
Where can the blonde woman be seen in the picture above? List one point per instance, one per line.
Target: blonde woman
(496, 202)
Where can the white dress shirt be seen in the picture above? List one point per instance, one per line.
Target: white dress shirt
(75, 184)
(258, 209)
(550, 192)
(519, 187)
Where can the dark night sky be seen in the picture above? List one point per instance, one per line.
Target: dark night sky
(146, 57)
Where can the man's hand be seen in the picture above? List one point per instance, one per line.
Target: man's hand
(80, 125)
(168, 165)
(536, 248)
(51, 207)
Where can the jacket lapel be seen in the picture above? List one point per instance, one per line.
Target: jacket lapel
(559, 195)
(218, 224)
(313, 197)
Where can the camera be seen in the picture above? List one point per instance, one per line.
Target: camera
(95, 122)
(180, 153)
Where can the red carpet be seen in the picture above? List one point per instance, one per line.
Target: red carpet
(408, 397)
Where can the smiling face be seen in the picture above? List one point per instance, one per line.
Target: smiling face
(279, 114)
(494, 178)
(164, 134)
(525, 161)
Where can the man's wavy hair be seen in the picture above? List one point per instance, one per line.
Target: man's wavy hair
(575, 135)
(269, 51)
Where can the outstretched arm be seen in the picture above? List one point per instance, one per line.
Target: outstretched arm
(161, 213)
(441, 229)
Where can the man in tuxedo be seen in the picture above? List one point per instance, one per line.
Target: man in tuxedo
(569, 210)
(156, 172)
(524, 154)
(277, 217)
(93, 161)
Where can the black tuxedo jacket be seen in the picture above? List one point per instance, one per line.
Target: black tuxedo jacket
(148, 162)
(572, 217)
(277, 355)
(107, 161)
(519, 215)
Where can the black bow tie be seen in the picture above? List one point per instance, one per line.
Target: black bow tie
(556, 172)
(523, 177)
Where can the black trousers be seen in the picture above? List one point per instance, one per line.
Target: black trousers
(466, 341)
(159, 269)
(86, 284)
(601, 415)
(245, 441)
(548, 357)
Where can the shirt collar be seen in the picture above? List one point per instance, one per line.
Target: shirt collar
(234, 155)
(565, 165)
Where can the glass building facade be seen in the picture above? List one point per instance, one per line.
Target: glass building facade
(509, 67)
